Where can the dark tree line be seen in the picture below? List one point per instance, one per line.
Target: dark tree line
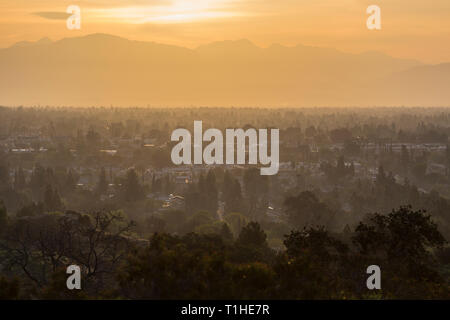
(315, 263)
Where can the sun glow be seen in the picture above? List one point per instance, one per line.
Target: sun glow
(177, 11)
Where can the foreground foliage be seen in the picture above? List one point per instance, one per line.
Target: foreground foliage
(315, 264)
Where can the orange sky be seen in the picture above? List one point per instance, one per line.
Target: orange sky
(416, 29)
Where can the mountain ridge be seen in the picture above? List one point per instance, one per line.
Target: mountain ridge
(104, 69)
(247, 42)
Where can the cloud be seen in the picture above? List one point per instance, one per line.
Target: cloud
(52, 15)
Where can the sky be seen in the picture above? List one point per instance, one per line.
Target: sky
(415, 29)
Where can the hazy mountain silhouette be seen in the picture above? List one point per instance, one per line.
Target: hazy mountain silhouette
(422, 85)
(44, 40)
(101, 69)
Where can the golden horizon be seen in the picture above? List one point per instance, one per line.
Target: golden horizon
(410, 29)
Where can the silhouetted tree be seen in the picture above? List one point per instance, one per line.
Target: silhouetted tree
(132, 190)
(3, 217)
(102, 185)
(19, 179)
(306, 210)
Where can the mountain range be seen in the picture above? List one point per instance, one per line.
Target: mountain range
(104, 70)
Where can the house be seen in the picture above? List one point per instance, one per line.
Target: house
(173, 203)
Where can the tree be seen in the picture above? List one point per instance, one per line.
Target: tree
(252, 235)
(402, 243)
(52, 200)
(40, 177)
(256, 188)
(203, 196)
(447, 156)
(168, 185)
(156, 184)
(155, 224)
(19, 180)
(199, 219)
(306, 210)
(251, 245)
(310, 264)
(226, 234)
(194, 200)
(158, 271)
(232, 194)
(210, 192)
(31, 210)
(4, 175)
(92, 137)
(102, 185)
(3, 217)
(39, 247)
(340, 167)
(405, 158)
(381, 175)
(236, 222)
(403, 233)
(132, 190)
(70, 183)
(340, 135)
(174, 221)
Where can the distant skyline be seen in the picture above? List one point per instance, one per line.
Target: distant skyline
(413, 29)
